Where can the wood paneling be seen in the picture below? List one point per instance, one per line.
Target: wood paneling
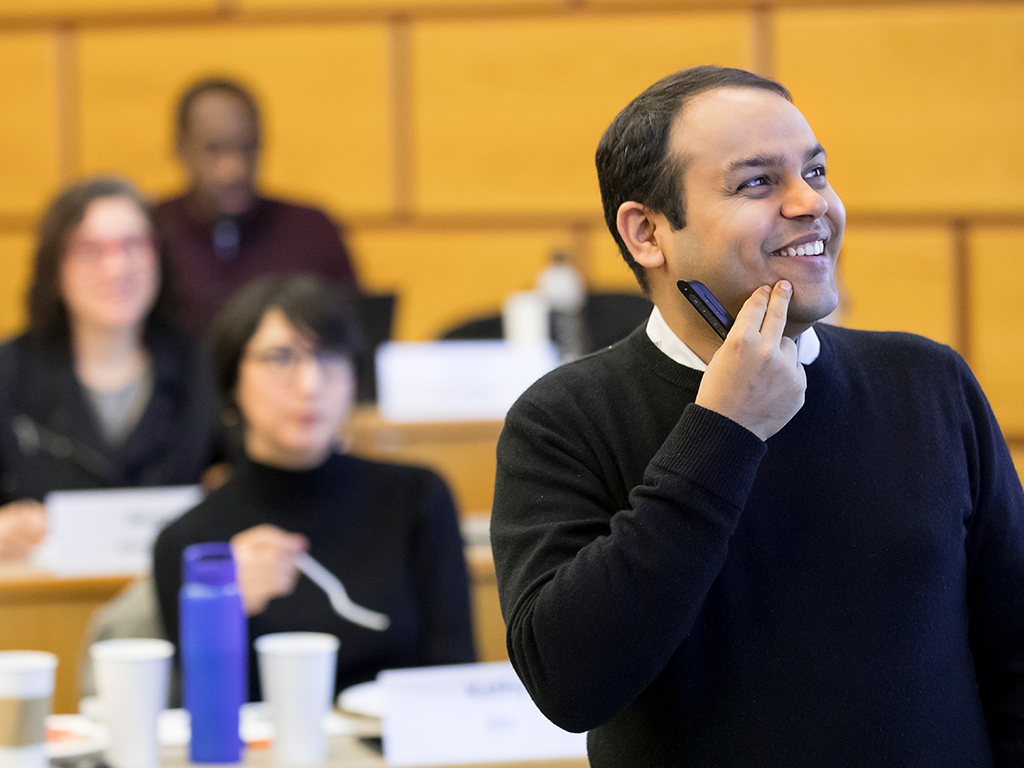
(324, 89)
(637, 5)
(93, 8)
(29, 167)
(507, 113)
(16, 268)
(919, 109)
(898, 279)
(445, 277)
(606, 268)
(448, 6)
(997, 340)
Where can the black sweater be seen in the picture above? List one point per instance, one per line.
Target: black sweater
(848, 593)
(388, 532)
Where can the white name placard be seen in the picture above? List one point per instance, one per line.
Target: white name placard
(467, 713)
(109, 531)
(457, 380)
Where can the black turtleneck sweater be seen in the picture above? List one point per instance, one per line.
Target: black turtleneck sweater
(388, 532)
(848, 593)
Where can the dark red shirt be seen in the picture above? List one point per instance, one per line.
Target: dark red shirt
(273, 237)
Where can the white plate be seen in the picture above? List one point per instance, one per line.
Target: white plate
(255, 725)
(73, 736)
(365, 699)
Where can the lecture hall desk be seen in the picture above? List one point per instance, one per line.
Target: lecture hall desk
(42, 612)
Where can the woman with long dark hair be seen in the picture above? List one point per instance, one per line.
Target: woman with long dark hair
(100, 391)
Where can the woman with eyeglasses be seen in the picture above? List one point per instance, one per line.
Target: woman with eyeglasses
(283, 351)
(101, 391)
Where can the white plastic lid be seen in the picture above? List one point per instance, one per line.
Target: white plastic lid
(26, 674)
(296, 643)
(131, 649)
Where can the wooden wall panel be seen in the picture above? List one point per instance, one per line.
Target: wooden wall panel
(446, 277)
(606, 269)
(16, 271)
(1018, 458)
(325, 92)
(919, 109)
(507, 113)
(398, 5)
(997, 341)
(29, 165)
(699, 5)
(91, 8)
(898, 279)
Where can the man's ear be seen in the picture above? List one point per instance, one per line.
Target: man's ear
(636, 227)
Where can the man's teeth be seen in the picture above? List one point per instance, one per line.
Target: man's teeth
(808, 249)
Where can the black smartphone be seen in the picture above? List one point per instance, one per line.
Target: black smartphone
(710, 308)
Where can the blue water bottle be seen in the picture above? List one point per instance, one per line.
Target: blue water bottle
(213, 651)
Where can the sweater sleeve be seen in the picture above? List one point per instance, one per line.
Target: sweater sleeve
(995, 588)
(597, 600)
(441, 579)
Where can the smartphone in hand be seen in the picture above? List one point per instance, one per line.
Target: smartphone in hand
(710, 308)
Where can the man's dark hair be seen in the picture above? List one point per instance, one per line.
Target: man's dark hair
(48, 320)
(214, 85)
(633, 161)
(315, 308)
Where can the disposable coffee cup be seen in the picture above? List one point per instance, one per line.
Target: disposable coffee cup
(525, 318)
(132, 683)
(297, 678)
(26, 692)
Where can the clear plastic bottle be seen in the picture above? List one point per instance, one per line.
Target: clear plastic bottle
(213, 648)
(566, 294)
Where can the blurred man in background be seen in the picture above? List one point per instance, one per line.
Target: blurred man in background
(222, 232)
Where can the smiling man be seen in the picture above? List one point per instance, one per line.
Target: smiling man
(799, 546)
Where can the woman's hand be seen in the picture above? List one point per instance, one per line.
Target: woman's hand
(22, 526)
(265, 555)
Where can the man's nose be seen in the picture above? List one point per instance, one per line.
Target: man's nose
(233, 167)
(801, 199)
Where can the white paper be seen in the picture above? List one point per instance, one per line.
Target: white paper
(457, 380)
(110, 531)
(467, 713)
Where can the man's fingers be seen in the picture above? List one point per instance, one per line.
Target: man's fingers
(751, 314)
(778, 307)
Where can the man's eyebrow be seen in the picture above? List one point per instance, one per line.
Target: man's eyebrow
(813, 152)
(771, 161)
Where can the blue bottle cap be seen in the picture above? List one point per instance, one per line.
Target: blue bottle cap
(211, 563)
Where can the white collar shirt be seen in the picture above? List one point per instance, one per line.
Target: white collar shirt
(807, 344)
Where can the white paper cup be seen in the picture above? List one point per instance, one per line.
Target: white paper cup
(525, 318)
(26, 691)
(297, 678)
(132, 683)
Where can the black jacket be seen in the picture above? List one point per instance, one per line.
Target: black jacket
(50, 440)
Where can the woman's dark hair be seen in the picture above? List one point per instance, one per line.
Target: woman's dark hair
(48, 320)
(315, 308)
(633, 158)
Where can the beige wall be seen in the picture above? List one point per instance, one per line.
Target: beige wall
(456, 137)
